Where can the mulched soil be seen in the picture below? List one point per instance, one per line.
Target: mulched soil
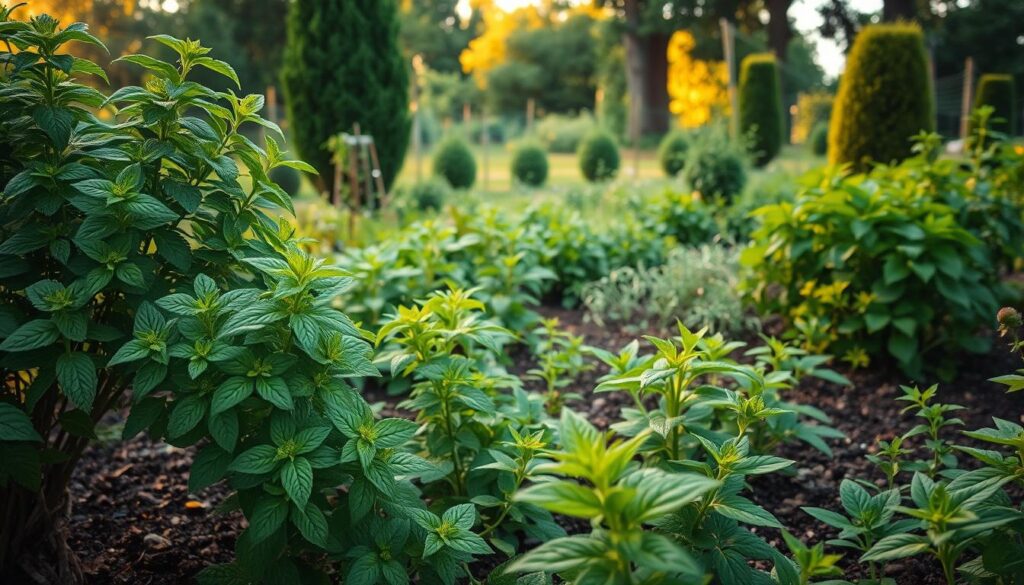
(133, 520)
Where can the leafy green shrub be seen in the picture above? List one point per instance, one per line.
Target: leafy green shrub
(287, 178)
(454, 162)
(999, 92)
(598, 157)
(760, 99)
(564, 134)
(672, 152)
(530, 164)
(139, 270)
(968, 521)
(696, 286)
(680, 521)
(819, 140)
(715, 169)
(429, 195)
(884, 97)
(812, 110)
(888, 264)
(343, 66)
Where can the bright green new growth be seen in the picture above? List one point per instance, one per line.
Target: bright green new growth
(343, 66)
(530, 164)
(454, 163)
(760, 98)
(884, 97)
(672, 152)
(598, 156)
(999, 92)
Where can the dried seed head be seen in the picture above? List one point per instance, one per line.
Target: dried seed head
(1009, 318)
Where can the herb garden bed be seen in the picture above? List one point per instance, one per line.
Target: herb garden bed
(133, 520)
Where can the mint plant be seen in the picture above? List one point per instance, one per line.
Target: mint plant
(560, 361)
(140, 270)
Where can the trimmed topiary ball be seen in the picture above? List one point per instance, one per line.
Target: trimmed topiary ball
(884, 97)
(761, 106)
(715, 171)
(998, 91)
(530, 164)
(455, 163)
(819, 140)
(599, 156)
(429, 195)
(287, 178)
(672, 152)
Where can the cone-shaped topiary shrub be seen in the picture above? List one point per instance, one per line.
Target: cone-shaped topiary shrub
(342, 66)
(999, 92)
(884, 97)
(598, 156)
(454, 162)
(672, 152)
(761, 106)
(530, 164)
(819, 140)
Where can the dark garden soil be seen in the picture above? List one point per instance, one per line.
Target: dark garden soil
(133, 520)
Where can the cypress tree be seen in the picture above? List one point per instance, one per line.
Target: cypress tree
(884, 97)
(998, 91)
(761, 106)
(342, 66)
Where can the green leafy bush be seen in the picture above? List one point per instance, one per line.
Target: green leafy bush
(696, 286)
(999, 93)
(429, 195)
(598, 156)
(454, 162)
(884, 97)
(343, 66)
(819, 140)
(678, 521)
(530, 164)
(887, 264)
(139, 271)
(564, 134)
(760, 99)
(287, 178)
(715, 168)
(968, 521)
(672, 152)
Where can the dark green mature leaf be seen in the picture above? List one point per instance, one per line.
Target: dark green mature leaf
(208, 467)
(76, 374)
(297, 479)
(268, 516)
(32, 335)
(15, 425)
(57, 122)
(259, 459)
(186, 414)
(312, 523)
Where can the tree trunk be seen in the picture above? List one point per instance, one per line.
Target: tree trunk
(34, 531)
(646, 76)
(779, 32)
(898, 10)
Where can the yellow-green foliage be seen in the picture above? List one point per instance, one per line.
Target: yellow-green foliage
(998, 91)
(884, 97)
(812, 109)
(761, 106)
